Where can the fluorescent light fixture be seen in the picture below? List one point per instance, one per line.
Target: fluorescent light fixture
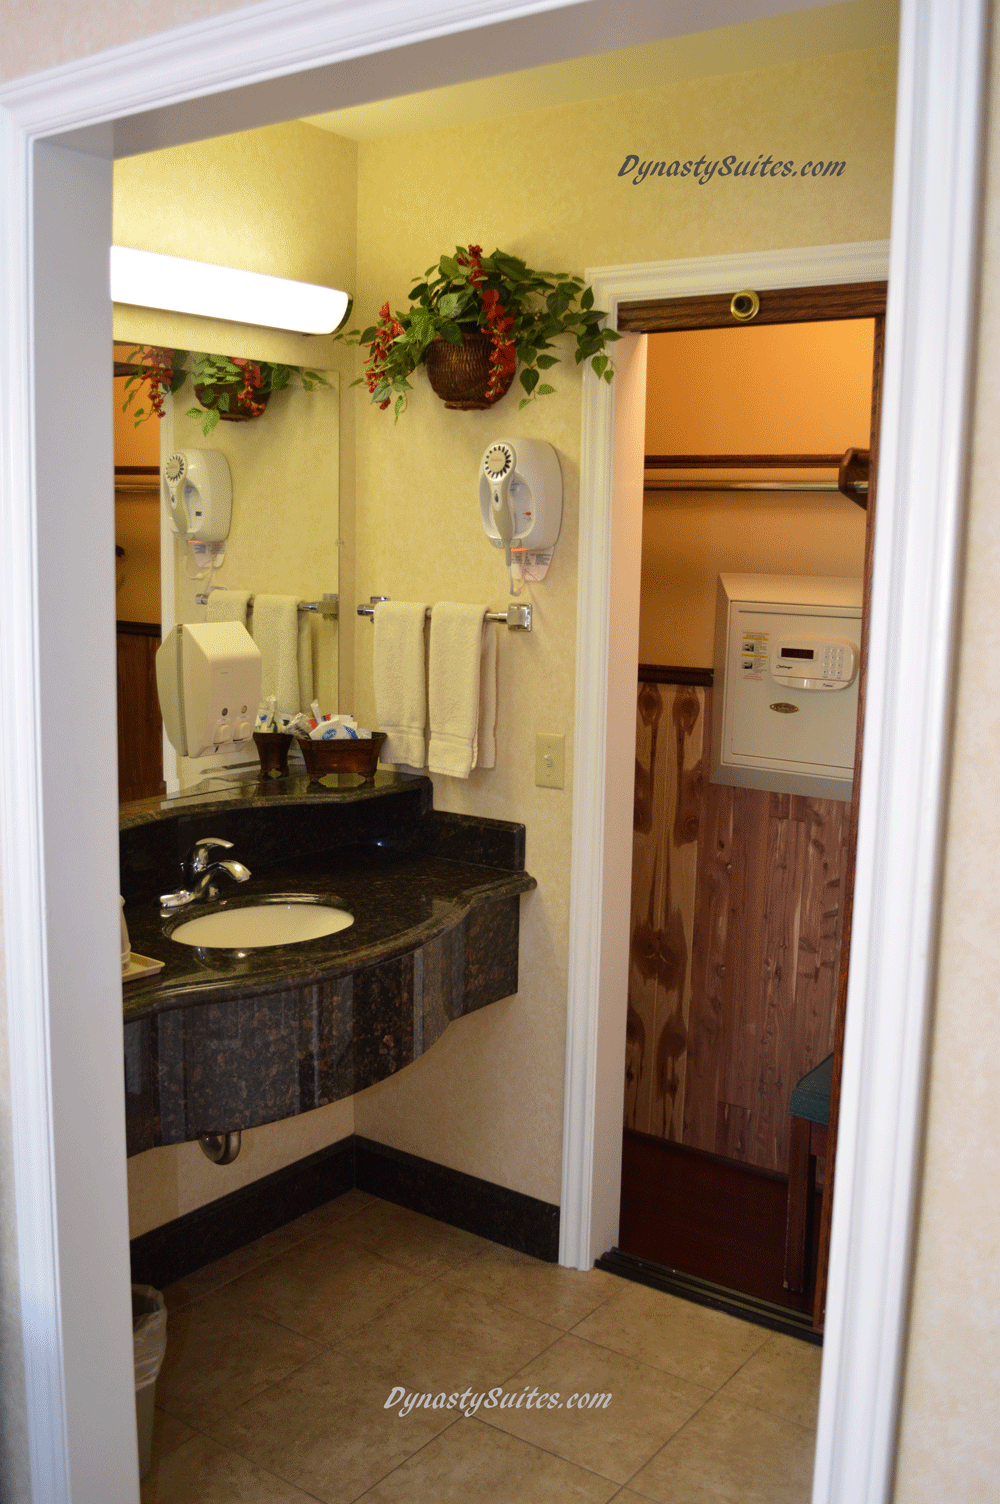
(220, 292)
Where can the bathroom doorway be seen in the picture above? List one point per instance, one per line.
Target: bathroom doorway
(757, 458)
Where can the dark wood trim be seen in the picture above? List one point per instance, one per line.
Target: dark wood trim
(704, 1293)
(819, 1309)
(746, 461)
(138, 628)
(665, 673)
(491, 1211)
(854, 471)
(178, 1248)
(137, 469)
(792, 305)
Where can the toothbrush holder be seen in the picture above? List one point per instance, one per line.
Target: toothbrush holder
(272, 749)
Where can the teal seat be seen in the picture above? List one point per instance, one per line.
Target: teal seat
(811, 1096)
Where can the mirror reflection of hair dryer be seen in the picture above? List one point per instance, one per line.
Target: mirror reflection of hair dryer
(498, 467)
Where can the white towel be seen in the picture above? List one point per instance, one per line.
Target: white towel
(400, 693)
(305, 654)
(462, 690)
(228, 605)
(275, 630)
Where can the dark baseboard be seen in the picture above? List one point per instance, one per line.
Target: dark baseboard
(178, 1248)
(479, 1206)
(704, 1293)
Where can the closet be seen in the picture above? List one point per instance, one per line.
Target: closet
(757, 444)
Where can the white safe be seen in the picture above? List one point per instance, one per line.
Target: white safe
(785, 701)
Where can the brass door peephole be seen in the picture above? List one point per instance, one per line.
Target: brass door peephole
(745, 305)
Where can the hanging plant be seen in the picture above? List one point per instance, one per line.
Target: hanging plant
(227, 388)
(477, 321)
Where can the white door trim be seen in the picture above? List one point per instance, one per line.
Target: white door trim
(58, 812)
(922, 470)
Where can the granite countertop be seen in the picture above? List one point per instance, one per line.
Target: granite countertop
(400, 900)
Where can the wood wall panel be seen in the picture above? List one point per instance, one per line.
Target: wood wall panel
(736, 918)
(669, 776)
(140, 727)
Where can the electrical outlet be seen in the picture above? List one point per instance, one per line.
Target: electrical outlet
(550, 760)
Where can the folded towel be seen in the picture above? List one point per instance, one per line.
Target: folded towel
(398, 667)
(305, 656)
(228, 605)
(275, 630)
(461, 690)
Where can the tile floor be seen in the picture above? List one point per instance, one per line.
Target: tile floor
(280, 1359)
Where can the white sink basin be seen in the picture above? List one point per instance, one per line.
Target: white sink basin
(262, 924)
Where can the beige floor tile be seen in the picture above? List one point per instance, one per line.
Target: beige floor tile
(475, 1464)
(781, 1377)
(168, 1433)
(647, 1406)
(322, 1288)
(326, 1428)
(417, 1243)
(200, 1472)
(685, 1339)
(731, 1454)
(547, 1292)
(628, 1496)
(223, 1271)
(443, 1338)
(218, 1355)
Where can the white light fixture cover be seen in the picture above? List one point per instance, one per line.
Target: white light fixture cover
(151, 280)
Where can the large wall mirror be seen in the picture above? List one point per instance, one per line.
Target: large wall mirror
(284, 539)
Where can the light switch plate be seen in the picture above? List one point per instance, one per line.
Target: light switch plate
(550, 760)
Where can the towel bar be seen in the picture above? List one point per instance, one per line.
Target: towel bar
(328, 607)
(516, 618)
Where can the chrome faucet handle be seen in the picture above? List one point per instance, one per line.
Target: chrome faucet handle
(198, 857)
(176, 900)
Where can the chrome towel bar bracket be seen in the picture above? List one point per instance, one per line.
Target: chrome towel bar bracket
(516, 618)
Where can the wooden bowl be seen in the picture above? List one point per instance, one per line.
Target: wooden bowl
(347, 756)
(272, 749)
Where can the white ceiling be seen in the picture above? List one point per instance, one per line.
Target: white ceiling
(812, 32)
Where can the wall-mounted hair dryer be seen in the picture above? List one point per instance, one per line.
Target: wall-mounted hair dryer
(520, 501)
(199, 493)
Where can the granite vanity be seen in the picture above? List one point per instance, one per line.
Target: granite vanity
(221, 1040)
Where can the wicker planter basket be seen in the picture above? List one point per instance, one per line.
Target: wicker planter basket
(460, 374)
(237, 412)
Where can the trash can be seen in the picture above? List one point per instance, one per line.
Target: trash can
(149, 1343)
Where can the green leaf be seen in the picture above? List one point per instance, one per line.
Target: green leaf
(195, 412)
(587, 298)
(529, 380)
(609, 376)
(523, 402)
(544, 390)
(211, 419)
(450, 267)
(545, 361)
(600, 364)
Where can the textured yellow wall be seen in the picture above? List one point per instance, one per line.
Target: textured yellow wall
(282, 200)
(488, 1098)
(950, 1437)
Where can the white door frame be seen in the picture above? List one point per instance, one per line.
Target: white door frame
(922, 469)
(58, 816)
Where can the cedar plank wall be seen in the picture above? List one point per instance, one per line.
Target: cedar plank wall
(736, 920)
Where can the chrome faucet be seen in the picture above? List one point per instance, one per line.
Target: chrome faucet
(201, 873)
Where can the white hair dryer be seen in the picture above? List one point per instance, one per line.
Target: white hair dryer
(199, 494)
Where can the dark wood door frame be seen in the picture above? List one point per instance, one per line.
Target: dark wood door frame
(796, 305)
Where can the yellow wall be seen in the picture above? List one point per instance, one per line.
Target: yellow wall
(773, 389)
(279, 200)
(488, 1098)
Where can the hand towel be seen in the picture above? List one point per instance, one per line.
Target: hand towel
(461, 690)
(400, 693)
(275, 630)
(227, 605)
(305, 657)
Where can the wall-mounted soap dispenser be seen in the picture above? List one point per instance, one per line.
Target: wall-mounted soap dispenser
(208, 678)
(520, 501)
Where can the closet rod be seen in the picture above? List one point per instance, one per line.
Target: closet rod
(858, 487)
(515, 618)
(328, 607)
(744, 461)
